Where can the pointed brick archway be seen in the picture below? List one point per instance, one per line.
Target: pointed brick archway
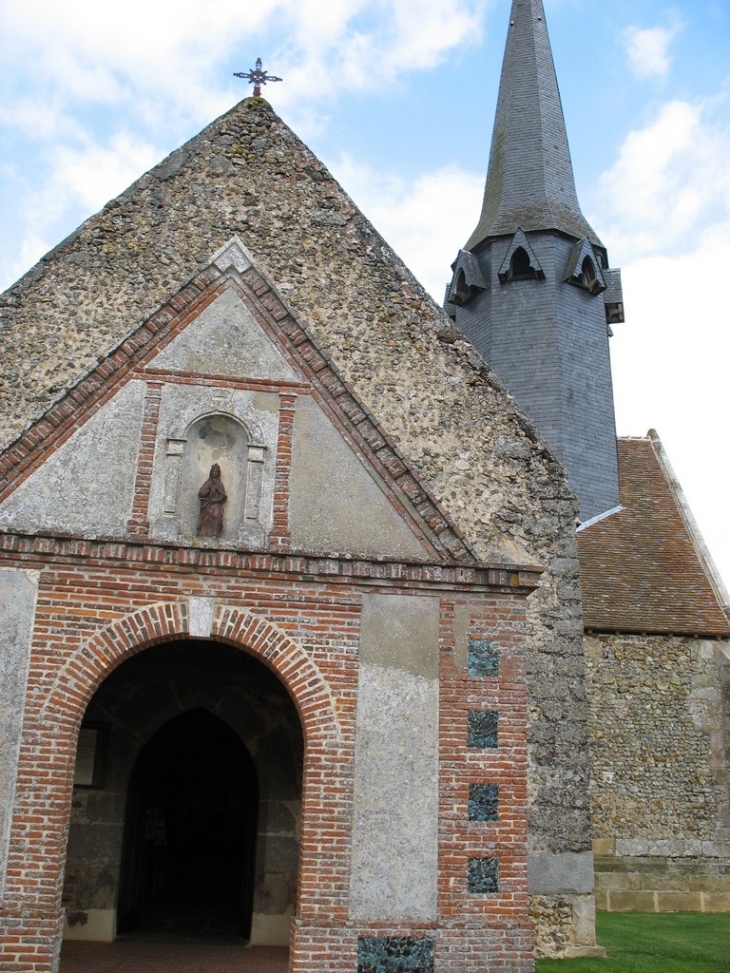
(32, 911)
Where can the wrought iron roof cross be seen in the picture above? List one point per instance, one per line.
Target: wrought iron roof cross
(256, 76)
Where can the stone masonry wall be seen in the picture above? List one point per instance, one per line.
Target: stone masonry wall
(662, 837)
(247, 174)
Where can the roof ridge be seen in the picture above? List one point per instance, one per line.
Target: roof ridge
(698, 542)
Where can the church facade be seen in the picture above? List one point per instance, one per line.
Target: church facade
(359, 642)
(254, 728)
(290, 597)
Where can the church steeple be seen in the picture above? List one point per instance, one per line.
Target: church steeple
(530, 181)
(532, 288)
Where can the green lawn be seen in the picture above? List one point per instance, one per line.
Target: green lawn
(676, 942)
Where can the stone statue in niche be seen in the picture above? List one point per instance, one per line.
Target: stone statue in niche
(212, 496)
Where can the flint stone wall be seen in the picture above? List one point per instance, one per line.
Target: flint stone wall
(662, 837)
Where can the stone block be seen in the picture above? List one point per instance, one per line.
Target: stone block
(401, 632)
(679, 901)
(484, 802)
(18, 593)
(94, 925)
(394, 954)
(226, 340)
(584, 920)
(584, 952)
(569, 873)
(648, 866)
(601, 901)
(619, 881)
(396, 762)
(336, 504)
(77, 490)
(483, 658)
(715, 849)
(271, 930)
(604, 847)
(610, 865)
(631, 902)
(631, 847)
(276, 818)
(708, 883)
(667, 883)
(483, 729)
(279, 854)
(483, 876)
(716, 901)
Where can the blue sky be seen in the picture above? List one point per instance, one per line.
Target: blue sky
(397, 98)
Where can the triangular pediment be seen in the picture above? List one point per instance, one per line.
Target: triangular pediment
(224, 373)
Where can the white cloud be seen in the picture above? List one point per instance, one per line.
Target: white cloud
(86, 177)
(666, 206)
(647, 50)
(670, 363)
(670, 183)
(425, 221)
(172, 49)
(31, 249)
(37, 116)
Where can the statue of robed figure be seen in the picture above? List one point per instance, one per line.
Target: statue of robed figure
(212, 496)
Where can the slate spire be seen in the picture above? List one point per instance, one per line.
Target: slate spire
(530, 182)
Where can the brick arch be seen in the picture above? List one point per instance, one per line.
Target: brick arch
(80, 677)
(55, 711)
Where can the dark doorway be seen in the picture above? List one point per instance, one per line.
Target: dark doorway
(190, 833)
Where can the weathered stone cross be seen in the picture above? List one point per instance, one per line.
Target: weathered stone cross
(256, 76)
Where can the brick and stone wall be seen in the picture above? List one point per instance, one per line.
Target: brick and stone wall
(99, 605)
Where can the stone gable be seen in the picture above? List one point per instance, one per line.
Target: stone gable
(247, 174)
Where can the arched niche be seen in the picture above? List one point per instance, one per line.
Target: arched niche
(215, 438)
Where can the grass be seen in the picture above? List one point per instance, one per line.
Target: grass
(677, 942)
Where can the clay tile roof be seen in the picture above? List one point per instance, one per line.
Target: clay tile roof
(642, 568)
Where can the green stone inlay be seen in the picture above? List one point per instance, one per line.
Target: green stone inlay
(484, 802)
(483, 729)
(483, 658)
(483, 876)
(394, 954)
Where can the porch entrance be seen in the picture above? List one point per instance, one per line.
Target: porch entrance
(190, 834)
(187, 828)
